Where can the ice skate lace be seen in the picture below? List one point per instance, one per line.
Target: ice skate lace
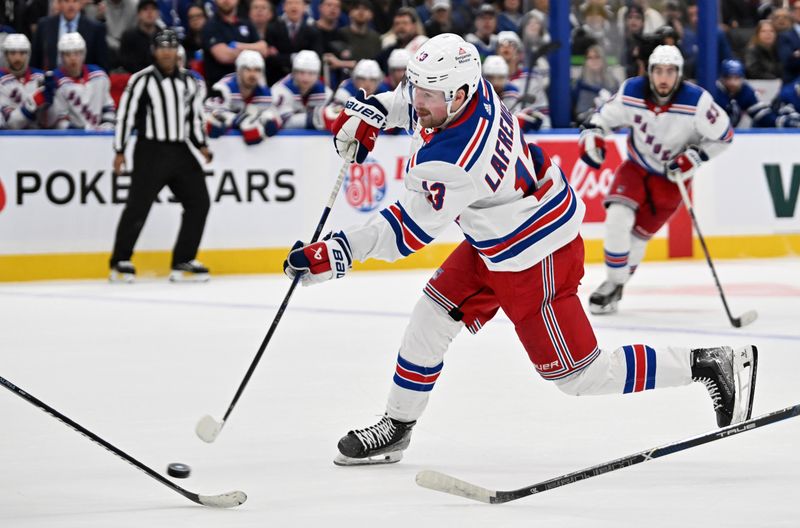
(377, 435)
(713, 390)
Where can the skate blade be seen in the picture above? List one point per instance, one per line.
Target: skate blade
(386, 458)
(123, 278)
(745, 362)
(597, 309)
(184, 276)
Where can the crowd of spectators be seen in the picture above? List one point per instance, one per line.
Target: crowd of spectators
(610, 41)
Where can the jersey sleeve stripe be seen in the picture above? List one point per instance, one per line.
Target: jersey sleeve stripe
(405, 230)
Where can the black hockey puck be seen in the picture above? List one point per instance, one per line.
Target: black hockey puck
(178, 470)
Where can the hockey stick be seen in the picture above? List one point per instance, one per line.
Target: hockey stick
(747, 317)
(225, 500)
(447, 484)
(208, 428)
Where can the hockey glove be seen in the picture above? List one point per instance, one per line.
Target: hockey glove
(683, 166)
(530, 120)
(321, 261)
(357, 127)
(271, 122)
(252, 130)
(218, 122)
(592, 147)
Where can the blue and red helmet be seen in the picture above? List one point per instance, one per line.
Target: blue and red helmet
(732, 68)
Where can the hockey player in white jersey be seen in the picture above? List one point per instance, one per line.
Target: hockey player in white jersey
(367, 75)
(83, 98)
(242, 100)
(532, 108)
(300, 97)
(470, 164)
(24, 91)
(675, 126)
(396, 63)
(495, 70)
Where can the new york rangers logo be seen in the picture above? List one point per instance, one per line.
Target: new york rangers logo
(422, 56)
(365, 186)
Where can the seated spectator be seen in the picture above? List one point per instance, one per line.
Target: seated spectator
(83, 98)
(290, 33)
(484, 38)
(532, 109)
(383, 14)
(689, 46)
(633, 58)
(534, 33)
(330, 11)
(732, 93)
(781, 19)
(301, 97)
(405, 29)
(261, 13)
(241, 100)
(440, 20)
(595, 30)
(363, 42)
(652, 19)
(594, 86)
(118, 16)
(761, 56)
(196, 20)
(789, 46)
(398, 60)
(788, 99)
(510, 15)
(173, 15)
(224, 37)
(136, 43)
(50, 29)
(22, 98)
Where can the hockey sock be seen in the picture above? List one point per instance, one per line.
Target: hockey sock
(617, 243)
(638, 245)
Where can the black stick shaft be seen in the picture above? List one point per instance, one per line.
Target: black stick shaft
(644, 456)
(285, 303)
(97, 440)
(690, 209)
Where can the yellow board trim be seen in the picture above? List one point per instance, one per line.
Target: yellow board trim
(270, 260)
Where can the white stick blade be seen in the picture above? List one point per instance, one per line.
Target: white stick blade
(208, 429)
(447, 484)
(748, 317)
(226, 500)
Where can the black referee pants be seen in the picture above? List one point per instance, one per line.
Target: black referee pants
(156, 164)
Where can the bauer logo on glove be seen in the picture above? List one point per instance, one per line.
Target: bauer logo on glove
(320, 261)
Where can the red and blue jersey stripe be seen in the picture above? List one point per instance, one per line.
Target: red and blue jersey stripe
(641, 368)
(409, 236)
(416, 377)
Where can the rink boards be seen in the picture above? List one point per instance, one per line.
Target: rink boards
(59, 202)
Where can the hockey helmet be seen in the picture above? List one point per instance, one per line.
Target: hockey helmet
(665, 54)
(17, 42)
(306, 60)
(249, 59)
(731, 68)
(399, 58)
(495, 66)
(367, 69)
(70, 42)
(509, 37)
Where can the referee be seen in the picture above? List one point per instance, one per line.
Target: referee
(162, 105)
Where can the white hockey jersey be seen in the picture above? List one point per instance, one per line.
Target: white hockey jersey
(226, 97)
(536, 102)
(296, 109)
(84, 102)
(16, 99)
(513, 205)
(659, 133)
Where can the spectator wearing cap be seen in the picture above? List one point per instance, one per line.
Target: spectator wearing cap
(291, 33)
(485, 37)
(440, 20)
(136, 43)
(405, 28)
(224, 37)
(510, 15)
(761, 59)
(44, 53)
(789, 46)
(364, 42)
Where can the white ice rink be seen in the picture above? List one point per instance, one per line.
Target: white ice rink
(140, 364)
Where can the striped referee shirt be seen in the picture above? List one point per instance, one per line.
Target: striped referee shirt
(160, 107)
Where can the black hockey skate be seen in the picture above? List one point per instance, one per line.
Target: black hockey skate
(122, 271)
(605, 298)
(193, 271)
(382, 443)
(730, 376)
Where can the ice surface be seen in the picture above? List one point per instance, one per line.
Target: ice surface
(140, 364)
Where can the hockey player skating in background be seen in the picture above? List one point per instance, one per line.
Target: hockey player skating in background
(532, 108)
(241, 100)
(24, 91)
(83, 98)
(735, 96)
(471, 164)
(300, 97)
(674, 127)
